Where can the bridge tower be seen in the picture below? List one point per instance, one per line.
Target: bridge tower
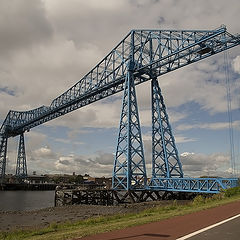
(165, 159)
(3, 157)
(129, 171)
(21, 169)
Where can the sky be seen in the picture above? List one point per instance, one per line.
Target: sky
(48, 45)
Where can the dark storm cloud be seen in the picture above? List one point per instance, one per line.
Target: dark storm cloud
(22, 24)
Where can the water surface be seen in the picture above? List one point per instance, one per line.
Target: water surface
(25, 200)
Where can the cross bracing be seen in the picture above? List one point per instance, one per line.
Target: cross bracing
(165, 159)
(129, 170)
(21, 169)
(200, 185)
(141, 56)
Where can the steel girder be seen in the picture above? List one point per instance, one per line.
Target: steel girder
(21, 169)
(165, 159)
(198, 185)
(159, 50)
(3, 157)
(129, 171)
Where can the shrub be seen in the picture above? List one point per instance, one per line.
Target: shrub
(198, 200)
(218, 196)
(232, 191)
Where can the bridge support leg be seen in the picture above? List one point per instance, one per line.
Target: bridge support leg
(21, 169)
(165, 159)
(3, 157)
(129, 165)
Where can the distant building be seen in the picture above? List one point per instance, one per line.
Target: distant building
(100, 181)
(35, 179)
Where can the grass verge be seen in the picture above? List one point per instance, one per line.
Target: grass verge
(108, 223)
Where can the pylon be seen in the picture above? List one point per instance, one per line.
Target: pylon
(21, 169)
(129, 171)
(165, 159)
(3, 157)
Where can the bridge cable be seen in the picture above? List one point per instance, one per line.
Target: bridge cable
(229, 111)
(236, 86)
(237, 158)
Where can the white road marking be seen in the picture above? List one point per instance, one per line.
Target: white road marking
(207, 228)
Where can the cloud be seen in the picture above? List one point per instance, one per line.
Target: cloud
(46, 160)
(100, 114)
(105, 158)
(64, 162)
(99, 164)
(44, 153)
(47, 46)
(7, 91)
(198, 164)
(183, 139)
(210, 126)
(74, 47)
(178, 138)
(200, 84)
(23, 24)
(236, 64)
(68, 141)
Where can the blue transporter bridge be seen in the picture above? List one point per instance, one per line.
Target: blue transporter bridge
(143, 55)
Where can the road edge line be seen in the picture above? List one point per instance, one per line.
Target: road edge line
(207, 228)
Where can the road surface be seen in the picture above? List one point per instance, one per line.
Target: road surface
(224, 230)
(180, 226)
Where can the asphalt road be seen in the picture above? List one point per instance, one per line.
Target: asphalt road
(180, 226)
(226, 231)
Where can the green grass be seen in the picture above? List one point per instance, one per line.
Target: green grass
(108, 223)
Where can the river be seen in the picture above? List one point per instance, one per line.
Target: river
(25, 200)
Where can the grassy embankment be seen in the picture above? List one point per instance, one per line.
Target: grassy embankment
(108, 223)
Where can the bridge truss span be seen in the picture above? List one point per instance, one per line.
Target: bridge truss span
(143, 55)
(145, 51)
(200, 185)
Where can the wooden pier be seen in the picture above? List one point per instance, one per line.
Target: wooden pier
(111, 197)
(83, 196)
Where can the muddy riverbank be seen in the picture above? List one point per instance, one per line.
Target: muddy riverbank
(44, 217)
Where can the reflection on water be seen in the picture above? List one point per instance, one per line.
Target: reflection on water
(25, 200)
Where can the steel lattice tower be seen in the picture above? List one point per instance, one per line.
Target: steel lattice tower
(21, 169)
(165, 159)
(3, 157)
(129, 165)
